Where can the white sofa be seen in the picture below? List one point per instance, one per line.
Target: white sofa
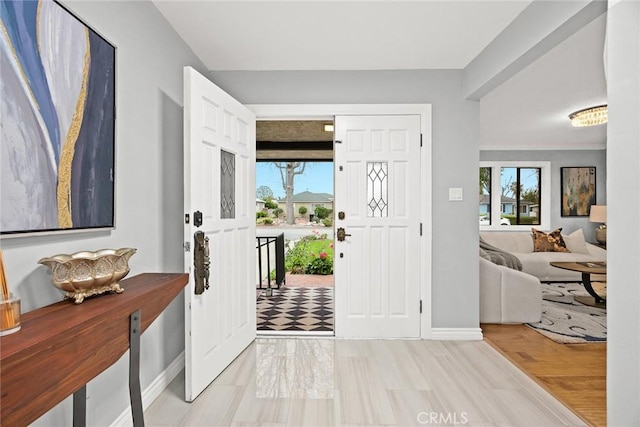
(520, 244)
(508, 295)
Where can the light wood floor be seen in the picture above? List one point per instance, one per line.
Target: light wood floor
(325, 382)
(574, 373)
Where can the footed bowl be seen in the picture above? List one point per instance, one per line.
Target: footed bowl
(83, 274)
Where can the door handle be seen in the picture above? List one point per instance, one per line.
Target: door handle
(342, 234)
(201, 262)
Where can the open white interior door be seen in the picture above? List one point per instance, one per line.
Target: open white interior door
(377, 204)
(219, 175)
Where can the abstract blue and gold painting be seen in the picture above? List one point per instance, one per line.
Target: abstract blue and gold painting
(57, 120)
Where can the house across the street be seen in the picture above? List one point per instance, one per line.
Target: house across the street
(508, 206)
(309, 200)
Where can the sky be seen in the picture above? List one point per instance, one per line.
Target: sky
(528, 178)
(317, 178)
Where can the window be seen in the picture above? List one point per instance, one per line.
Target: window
(485, 196)
(520, 190)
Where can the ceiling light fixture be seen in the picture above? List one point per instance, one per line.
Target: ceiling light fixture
(590, 116)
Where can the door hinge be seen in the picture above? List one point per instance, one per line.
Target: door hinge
(420, 140)
(421, 229)
(420, 306)
(187, 246)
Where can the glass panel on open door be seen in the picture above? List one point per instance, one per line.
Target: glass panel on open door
(227, 185)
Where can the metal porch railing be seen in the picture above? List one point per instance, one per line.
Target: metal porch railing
(270, 258)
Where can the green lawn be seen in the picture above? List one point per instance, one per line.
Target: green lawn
(317, 246)
(304, 253)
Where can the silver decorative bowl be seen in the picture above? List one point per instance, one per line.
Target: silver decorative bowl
(83, 274)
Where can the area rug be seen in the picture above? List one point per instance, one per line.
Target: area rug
(567, 321)
(296, 309)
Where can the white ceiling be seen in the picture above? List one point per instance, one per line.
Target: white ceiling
(338, 35)
(528, 111)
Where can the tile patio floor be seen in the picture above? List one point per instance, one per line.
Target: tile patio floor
(308, 280)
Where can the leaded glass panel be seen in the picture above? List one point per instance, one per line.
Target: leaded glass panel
(227, 184)
(377, 189)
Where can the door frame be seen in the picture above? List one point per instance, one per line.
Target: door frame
(327, 112)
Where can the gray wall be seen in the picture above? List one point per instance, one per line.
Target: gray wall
(149, 192)
(559, 159)
(455, 158)
(149, 179)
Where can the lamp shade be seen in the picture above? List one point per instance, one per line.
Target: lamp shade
(598, 214)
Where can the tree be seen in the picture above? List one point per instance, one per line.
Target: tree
(509, 187)
(269, 203)
(531, 195)
(321, 212)
(515, 189)
(263, 192)
(288, 172)
(485, 180)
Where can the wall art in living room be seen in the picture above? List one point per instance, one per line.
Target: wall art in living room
(57, 112)
(578, 190)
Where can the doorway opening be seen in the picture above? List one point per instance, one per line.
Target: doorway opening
(294, 227)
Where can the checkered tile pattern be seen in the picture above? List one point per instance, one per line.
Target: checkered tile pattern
(296, 309)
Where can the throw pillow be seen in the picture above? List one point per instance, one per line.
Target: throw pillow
(576, 243)
(548, 242)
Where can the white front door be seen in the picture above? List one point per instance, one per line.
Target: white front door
(219, 175)
(377, 188)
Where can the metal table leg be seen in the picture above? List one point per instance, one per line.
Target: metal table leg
(80, 407)
(135, 393)
(586, 282)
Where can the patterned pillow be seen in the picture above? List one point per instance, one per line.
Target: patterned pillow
(548, 242)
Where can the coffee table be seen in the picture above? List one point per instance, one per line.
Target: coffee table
(587, 269)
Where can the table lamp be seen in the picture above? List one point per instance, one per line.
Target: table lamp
(599, 214)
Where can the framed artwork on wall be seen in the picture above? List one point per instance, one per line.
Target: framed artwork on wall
(578, 190)
(57, 112)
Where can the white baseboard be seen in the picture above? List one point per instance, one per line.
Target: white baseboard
(152, 392)
(456, 334)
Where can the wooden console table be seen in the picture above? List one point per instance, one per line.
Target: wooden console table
(63, 346)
